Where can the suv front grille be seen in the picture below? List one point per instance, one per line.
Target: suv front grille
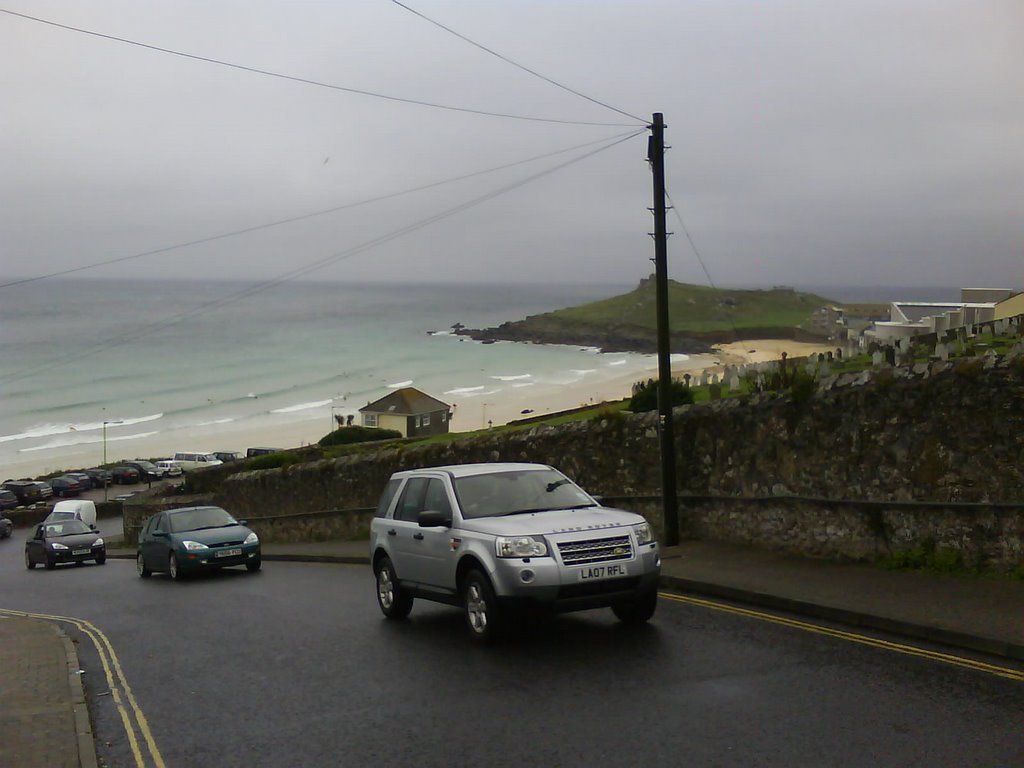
(595, 550)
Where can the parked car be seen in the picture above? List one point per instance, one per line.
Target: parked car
(8, 500)
(124, 475)
(65, 485)
(6, 528)
(29, 491)
(194, 539)
(190, 460)
(170, 468)
(226, 456)
(249, 453)
(494, 538)
(83, 479)
(100, 477)
(65, 541)
(148, 471)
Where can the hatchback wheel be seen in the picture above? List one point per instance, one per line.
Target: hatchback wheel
(392, 599)
(172, 567)
(140, 565)
(50, 563)
(28, 561)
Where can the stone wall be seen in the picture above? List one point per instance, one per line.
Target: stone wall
(942, 434)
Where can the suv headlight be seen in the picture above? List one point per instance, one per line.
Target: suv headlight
(520, 546)
(252, 538)
(192, 546)
(644, 534)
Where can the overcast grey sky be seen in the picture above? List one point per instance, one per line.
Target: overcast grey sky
(866, 142)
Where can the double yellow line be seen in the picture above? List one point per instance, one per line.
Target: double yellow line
(131, 715)
(944, 658)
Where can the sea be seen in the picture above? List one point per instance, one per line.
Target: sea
(94, 370)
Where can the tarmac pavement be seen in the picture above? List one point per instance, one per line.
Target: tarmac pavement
(979, 614)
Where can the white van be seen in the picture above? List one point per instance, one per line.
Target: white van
(189, 460)
(73, 509)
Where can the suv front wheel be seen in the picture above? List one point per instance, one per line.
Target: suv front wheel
(393, 601)
(638, 610)
(483, 617)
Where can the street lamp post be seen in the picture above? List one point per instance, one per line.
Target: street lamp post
(106, 481)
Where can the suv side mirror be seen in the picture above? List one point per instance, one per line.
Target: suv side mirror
(430, 518)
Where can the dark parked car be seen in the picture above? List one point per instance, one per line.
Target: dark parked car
(147, 470)
(261, 451)
(83, 479)
(6, 527)
(195, 539)
(99, 477)
(8, 500)
(124, 475)
(66, 541)
(65, 485)
(29, 491)
(227, 456)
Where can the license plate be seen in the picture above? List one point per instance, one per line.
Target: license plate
(229, 553)
(81, 551)
(610, 571)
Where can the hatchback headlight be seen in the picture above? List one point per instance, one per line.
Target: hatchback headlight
(98, 543)
(192, 546)
(520, 546)
(644, 534)
(252, 538)
(57, 545)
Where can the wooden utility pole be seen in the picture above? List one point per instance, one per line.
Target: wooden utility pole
(670, 508)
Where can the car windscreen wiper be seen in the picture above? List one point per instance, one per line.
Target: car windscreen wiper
(219, 525)
(527, 511)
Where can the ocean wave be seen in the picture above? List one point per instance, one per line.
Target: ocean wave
(464, 390)
(302, 406)
(583, 371)
(678, 357)
(400, 384)
(618, 362)
(226, 420)
(481, 393)
(524, 384)
(518, 377)
(85, 440)
(48, 430)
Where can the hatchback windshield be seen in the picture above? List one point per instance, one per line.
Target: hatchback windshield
(67, 528)
(200, 517)
(520, 491)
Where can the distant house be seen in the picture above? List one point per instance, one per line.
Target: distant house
(411, 412)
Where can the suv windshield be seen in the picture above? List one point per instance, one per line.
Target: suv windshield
(201, 517)
(509, 493)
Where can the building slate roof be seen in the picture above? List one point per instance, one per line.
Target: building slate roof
(407, 401)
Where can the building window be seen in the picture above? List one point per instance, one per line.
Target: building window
(425, 420)
(369, 419)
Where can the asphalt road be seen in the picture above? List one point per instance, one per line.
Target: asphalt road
(295, 666)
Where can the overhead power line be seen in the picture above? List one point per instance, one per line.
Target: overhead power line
(507, 60)
(700, 260)
(305, 216)
(150, 328)
(306, 81)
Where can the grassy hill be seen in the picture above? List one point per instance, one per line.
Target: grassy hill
(698, 317)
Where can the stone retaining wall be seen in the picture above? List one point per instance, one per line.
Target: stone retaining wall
(941, 434)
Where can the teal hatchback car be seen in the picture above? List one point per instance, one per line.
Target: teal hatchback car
(190, 540)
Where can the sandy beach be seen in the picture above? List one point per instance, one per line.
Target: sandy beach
(470, 413)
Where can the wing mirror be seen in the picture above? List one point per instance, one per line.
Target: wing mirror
(430, 518)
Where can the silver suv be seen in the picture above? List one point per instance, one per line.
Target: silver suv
(494, 538)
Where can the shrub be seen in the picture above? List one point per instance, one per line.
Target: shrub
(645, 395)
(272, 460)
(357, 434)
